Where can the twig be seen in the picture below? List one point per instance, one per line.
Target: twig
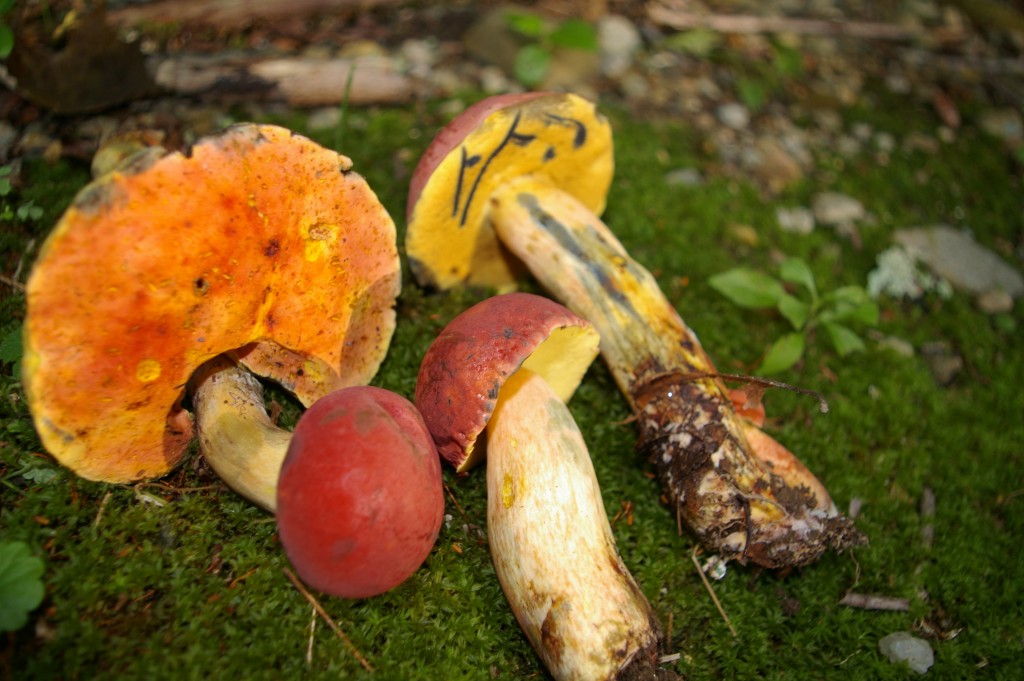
(99, 513)
(177, 490)
(747, 23)
(927, 515)
(707, 585)
(312, 630)
(872, 602)
(13, 283)
(237, 580)
(760, 381)
(455, 501)
(327, 618)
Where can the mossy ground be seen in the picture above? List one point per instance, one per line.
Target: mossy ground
(182, 579)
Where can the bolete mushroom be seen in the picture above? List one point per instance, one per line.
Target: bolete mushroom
(507, 365)
(359, 499)
(255, 242)
(513, 188)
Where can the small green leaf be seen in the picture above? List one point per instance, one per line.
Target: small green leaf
(796, 271)
(699, 42)
(21, 589)
(11, 348)
(850, 304)
(532, 64)
(784, 353)
(748, 288)
(525, 23)
(844, 340)
(5, 6)
(6, 41)
(794, 310)
(575, 34)
(753, 93)
(788, 61)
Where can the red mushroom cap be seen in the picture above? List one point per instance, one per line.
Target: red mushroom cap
(466, 365)
(359, 499)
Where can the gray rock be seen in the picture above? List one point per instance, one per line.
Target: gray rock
(1006, 124)
(902, 647)
(833, 208)
(955, 256)
(324, 118)
(684, 177)
(896, 274)
(944, 362)
(798, 220)
(618, 40)
(995, 301)
(733, 115)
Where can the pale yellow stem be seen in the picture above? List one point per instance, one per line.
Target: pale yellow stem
(551, 543)
(236, 436)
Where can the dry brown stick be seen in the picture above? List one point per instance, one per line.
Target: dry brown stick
(707, 585)
(872, 602)
(746, 23)
(13, 283)
(327, 618)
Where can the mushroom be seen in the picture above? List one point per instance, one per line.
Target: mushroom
(256, 242)
(507, 365)
(518, 183)
(359, 499)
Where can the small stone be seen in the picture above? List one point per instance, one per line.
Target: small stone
(1006, 124)
(493, 80)
(896, 274)
(995, 301)
(733, 115)
(944, 363)
(885, 142)
(776, 168)
(901, 347)
(797, 220)
(684, 177)
(848, 146)
(955, 256)
(635, 87)
(618, 39)
(833, 208)
(902, 647)
(324, 118)
(744, 234)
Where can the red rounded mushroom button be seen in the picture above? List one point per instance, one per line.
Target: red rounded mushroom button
(359, 500)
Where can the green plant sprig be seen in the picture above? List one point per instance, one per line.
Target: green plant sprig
(21, 586)
(533, 60)
(834, 311)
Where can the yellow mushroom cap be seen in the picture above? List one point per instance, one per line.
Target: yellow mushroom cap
(257, 241)
(558, 138)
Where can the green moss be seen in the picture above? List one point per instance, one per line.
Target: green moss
(186, 580)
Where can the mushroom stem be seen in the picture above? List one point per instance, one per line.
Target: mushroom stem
(552, 546)
(739, 504)
(236, 436)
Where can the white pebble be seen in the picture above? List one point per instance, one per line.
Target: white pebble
(903, 647)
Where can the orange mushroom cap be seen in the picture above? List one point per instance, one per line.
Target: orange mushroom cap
(257, 241)
(556, 138)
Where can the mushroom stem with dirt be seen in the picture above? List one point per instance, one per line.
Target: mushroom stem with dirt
(517, 183)
(507, 366)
